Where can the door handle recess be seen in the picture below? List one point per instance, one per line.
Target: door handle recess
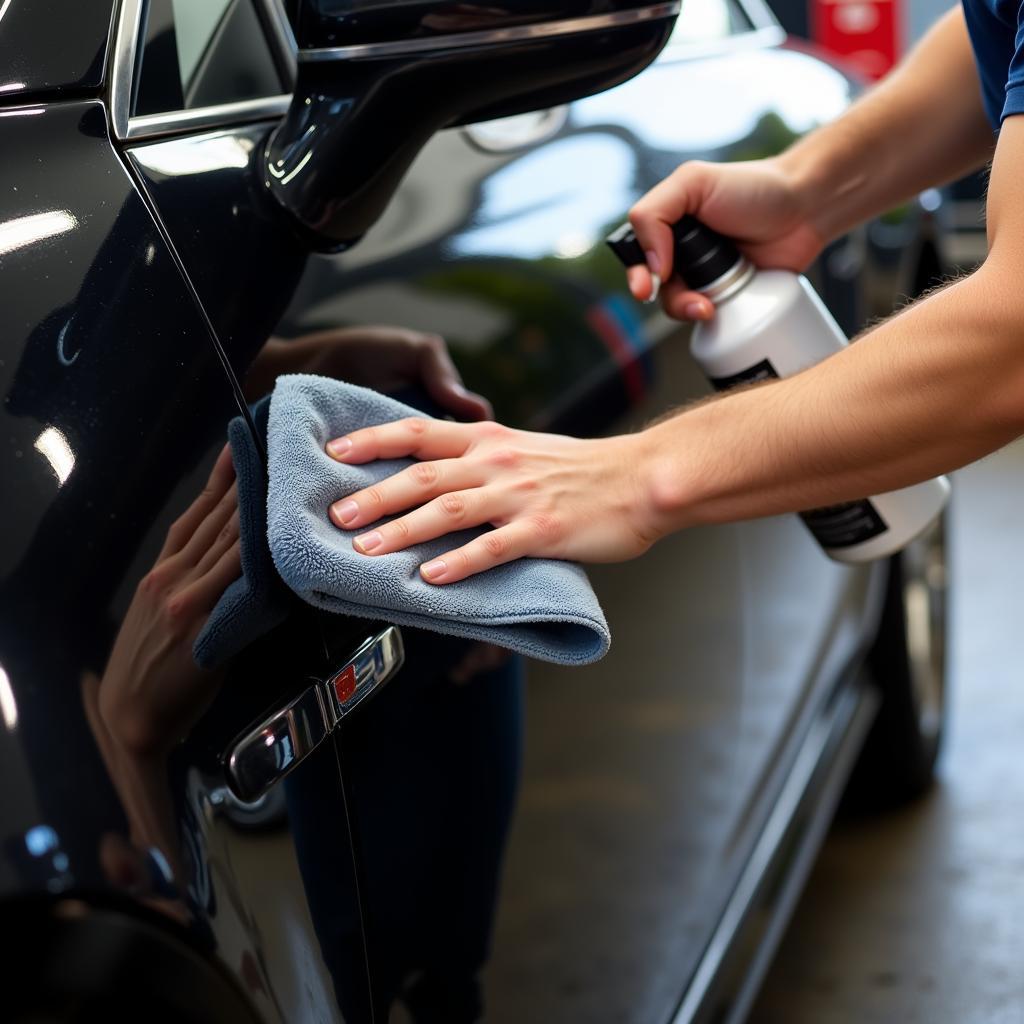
(267, 753)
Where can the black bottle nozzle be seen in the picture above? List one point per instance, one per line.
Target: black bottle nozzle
(700, 257)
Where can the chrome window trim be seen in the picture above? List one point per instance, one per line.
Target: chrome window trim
(148, 126)
(126, 43)
(490, 37)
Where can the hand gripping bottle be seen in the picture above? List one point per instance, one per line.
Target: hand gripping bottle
(770, 324)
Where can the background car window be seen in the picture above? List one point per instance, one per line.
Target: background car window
(702, 20)
(199, 53)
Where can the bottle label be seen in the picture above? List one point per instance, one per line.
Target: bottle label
(751, 375)
(842, 526)
(838, 526)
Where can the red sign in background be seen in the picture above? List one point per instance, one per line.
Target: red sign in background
(864, 33)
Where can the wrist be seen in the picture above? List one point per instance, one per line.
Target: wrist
(819, 185)
(668, 480)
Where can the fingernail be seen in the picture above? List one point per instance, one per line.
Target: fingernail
(434, 569)
(655, 288)
(340, 447)
(695, 310)
(653, 263)
(369, 541)
(346, 511)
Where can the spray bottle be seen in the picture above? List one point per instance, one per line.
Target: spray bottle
(770, 324)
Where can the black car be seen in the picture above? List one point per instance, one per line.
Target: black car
(355, 822)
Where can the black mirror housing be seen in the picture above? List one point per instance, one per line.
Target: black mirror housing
(362, 111)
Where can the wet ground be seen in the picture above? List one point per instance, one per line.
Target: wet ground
(919, 917)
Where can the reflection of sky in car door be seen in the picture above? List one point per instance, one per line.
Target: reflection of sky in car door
(532, 207)
(700, 105)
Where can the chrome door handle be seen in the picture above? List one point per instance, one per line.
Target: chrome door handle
(267, 753)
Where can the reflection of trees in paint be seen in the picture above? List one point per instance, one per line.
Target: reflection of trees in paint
(771, 135)
(548, 347)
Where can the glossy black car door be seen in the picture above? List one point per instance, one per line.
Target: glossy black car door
(116, 401)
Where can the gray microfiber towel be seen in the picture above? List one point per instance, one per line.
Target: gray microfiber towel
(542, 608)
(256, 602)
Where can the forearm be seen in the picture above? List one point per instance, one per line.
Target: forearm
(932, 389)
(922, 126)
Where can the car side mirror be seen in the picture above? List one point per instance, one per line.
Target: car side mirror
(377, 78)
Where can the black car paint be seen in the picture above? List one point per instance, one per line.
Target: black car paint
(101, 321)
(64, 60)
(356, 123)
(337, 23)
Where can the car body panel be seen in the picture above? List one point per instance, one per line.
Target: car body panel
(418, 856)
(99, 323)
(648, 776)
(64, 60)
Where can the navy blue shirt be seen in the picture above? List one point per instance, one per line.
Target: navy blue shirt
(996, 28)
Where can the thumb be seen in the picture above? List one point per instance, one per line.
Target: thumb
(444, 385)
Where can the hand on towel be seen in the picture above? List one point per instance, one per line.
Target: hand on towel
(152, 691)
(548, 496)
(386, 359)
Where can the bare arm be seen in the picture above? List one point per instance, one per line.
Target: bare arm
(931, 389)
(922, 126)
(935, 387)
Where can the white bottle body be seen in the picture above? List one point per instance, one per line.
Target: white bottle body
(774, 326)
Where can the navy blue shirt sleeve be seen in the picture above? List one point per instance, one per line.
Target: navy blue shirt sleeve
(1014, 103)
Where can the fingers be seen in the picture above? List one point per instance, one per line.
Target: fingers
(655, 213)
(642, 283)
(517, 540)
(456, 510)
(228, 535)
(407, 489)
(419, 438)
(203, 593)
(221, 477)
(208, 530)
(444, 384)
(682, 304)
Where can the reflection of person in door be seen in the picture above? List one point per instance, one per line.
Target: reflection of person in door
(151, 692)
(432, 842)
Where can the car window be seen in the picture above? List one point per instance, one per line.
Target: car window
(201, 53)
(703, 20)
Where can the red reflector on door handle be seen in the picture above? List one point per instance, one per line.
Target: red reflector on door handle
(373, 664)
(267, 753)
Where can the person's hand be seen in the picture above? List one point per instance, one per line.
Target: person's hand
(152, 691)
(386, 359)
(757, 204)
(547, 496)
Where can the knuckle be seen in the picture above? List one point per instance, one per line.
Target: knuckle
(459, 561)
(505, 458)
(417, 426)
(495, 544)
(399, 530)
(453, 505)
(372, 497)
(489, 430)
(155, 580)
(176, 612)
(546, 526)
(425, 473)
